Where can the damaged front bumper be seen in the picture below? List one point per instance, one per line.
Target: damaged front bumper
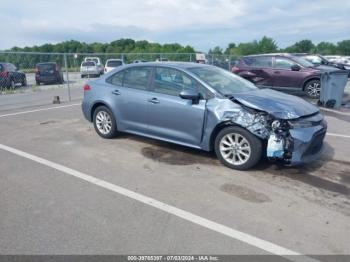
(290, 138)
(308, 143)
(297, 145)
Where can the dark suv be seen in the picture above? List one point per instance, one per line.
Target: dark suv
(280, 71)
(48, 73)
(10, 76)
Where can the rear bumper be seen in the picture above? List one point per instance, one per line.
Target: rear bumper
(48, 79)
(90, 72)
(307, 143)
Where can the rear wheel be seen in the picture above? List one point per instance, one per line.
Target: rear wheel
(24, 81)
(237, 148)
(104, 122)
(12, 83)
(313, 88)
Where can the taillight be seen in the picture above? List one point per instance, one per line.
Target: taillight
(4, 74)
(235, 69)
(105, 69)
(86, 87)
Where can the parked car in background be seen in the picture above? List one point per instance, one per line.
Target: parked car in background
(140, 61)
(97, 61)
(162, 60)
(320, 62)
(332, 58)
(205, 107)
(10, 76)
(89, 69)
(113, 63)
(283, 72)
(48, 73)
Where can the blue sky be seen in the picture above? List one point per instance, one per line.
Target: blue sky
(200, 23)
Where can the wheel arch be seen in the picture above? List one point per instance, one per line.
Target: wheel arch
(216, 131)
(96, 105)
(225, 124)
(309, 80)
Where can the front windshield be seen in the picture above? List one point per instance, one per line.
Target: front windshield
(224, 82)
(302, 61)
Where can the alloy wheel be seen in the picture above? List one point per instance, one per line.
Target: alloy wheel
(103, 122)
(314, 89)
(235, 149)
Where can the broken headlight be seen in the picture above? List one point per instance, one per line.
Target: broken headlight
(277, 125)
(300, 123)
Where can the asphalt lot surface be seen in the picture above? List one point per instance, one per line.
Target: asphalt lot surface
(47, 210)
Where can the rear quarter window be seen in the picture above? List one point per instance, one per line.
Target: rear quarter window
(116, 79)
(262, 62)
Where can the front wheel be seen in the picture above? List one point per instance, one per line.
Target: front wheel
(237, 148)
(104, 122)
(313, 88)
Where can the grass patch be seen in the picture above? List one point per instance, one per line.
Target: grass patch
(36, 88)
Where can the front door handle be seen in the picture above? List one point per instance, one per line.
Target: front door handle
(116, 92)
(277, 72)
(153, 100)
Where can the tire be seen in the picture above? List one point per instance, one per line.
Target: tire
(104, 122)
(24, 81)
(242, 155)
(313, 88)
(12, 83)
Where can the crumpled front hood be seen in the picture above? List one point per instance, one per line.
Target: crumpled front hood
(280, 105)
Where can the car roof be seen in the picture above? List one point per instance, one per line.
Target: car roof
(180, 65)
(270, 54)
(46, 63)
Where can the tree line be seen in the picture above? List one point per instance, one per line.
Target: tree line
(269, 45)
(264, 45)
(151, 51)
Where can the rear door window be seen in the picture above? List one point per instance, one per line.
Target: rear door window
(137, 77)
(259, 61)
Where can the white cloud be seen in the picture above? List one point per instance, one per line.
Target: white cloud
(201, 23)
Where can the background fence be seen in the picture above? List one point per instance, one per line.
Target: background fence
(18, 69)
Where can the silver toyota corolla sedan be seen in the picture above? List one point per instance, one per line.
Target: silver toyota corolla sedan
(205, 107)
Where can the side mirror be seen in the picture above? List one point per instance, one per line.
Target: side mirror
(295, 68)
(190, 94)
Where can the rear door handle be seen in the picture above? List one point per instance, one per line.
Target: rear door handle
(153, 100)
(277, 72)
(116, 92)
